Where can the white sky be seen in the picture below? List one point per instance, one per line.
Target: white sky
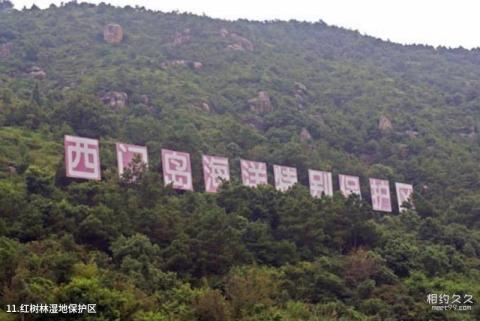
(450, 23)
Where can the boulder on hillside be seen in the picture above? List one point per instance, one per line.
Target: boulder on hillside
(12, 170)
(243, 42)
(384, 124)
(411, 134)
(300, 88)
(115, 99)
(255, 122)
(261, 103)
(301, 101)
(235, 47)
(37, 73)
(195, 65)
(203, 106)
(6, 50)
(305, 135)
(403, 151)
(319, 118)
(144, 99)
(224, 32)
(181, 37)
(469, 132)
(239, 43)
(113, 33)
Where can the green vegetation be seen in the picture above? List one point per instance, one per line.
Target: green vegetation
(142, 251)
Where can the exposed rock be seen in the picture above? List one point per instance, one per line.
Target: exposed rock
(12, 170)
(203, 106)
(305, 135)
(113, 33)
(412, 134)
(299, 87)
(181, 37)
(173, 63)
(6, 50)
(469, 132)
(239, 43)
(300, 90)
(319, 118)
(403, 151)
(261, 104)
(38, 73)
(144, 99)
(255, 122)
(224, 33)
(246, 44)
(235, 47)
(300, 100)
(152, 110)
(195, 65)
(115, 99)
(384, 124)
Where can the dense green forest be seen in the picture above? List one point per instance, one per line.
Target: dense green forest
(337, 101)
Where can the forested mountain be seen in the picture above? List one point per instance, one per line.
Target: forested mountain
(306, 95)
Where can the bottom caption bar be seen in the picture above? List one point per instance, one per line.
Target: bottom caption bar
(60, 308)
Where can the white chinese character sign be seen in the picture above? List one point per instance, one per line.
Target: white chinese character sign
(82, 158)
(349, 185)
(285, 177)
(380, 191)
(253, 173)
(404, 194)
(320, 183)
(215, 169)
(127, 153)
(177, 169)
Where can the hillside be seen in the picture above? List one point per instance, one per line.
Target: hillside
(306, 95)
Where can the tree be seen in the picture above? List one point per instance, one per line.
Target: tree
(39, 181)
(6, 5)
(249, 287)
(212, 306)
(36, 96)
(361, 265)
(86, 116)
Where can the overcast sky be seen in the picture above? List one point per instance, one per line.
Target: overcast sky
(450, 23)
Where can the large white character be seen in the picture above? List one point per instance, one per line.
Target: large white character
(126, 153)
(349, 185)
(404, 194)
(82, 157)
(285, 177)
(380, 191)
(177, 169)
(215, 169)
(320, 183)
(253, 173)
